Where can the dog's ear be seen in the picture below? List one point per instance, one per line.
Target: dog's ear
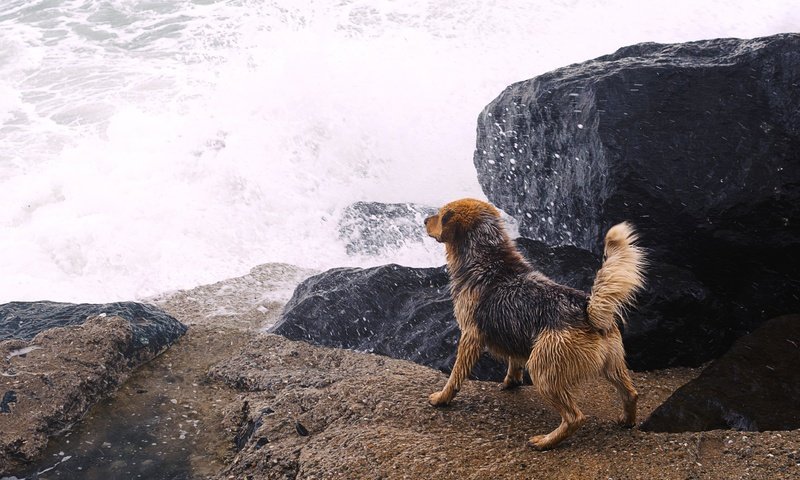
(447, 216)
(450, 227)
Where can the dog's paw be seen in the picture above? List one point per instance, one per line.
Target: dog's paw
(438, 399)
(510, 384)
(540, 442)
(625, 422)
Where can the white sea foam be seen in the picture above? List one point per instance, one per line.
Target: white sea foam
(148, 146)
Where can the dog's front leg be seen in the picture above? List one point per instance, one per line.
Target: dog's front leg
(514, 377)
(469, 350)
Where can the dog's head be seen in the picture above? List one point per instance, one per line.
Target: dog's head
(457, 219)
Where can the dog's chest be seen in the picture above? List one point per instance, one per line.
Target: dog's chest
(464, 304)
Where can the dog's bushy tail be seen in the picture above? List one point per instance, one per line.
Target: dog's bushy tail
(619, 278)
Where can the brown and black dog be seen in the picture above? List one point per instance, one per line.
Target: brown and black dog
(559, 334)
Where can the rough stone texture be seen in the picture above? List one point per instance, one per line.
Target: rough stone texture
(163, 423)
(755, 386)
(698, 144)
(670, 323)
(391, 310)
(371, 228)
(50, 381)
(251, 301)
(153, 329)
(312, 412)
(225, 402)
(565, 264)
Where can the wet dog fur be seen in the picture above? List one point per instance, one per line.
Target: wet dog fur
(559, 334)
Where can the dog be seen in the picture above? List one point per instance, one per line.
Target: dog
(559, 334)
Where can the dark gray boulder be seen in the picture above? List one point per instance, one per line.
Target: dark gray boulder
(407, 313)
(400, 312)
(674, 321)
(697, 144)
(153, 329)
(565, 264)
(404, 312)
(755, 386)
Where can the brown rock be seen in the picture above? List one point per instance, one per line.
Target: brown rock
(49, 383)
(367, 417)
(228, 403)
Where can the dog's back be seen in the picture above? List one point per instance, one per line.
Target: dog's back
(512, 312)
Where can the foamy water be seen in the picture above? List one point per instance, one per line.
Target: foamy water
(152, 145)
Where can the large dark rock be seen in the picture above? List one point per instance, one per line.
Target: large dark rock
(674, 321)
(566, 264)
(698, 144)
(755, 386)
(406, 312)
(391, 310)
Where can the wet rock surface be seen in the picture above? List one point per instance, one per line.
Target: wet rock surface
(391, 310)
(755, 386)
(372, 229)
(228, 402)
(674, 321)
(698, 144)
(252, 301)
(565, 264)
(152, 327)
(50, 381)
(163, 423)
(315, 412)
(405, 312)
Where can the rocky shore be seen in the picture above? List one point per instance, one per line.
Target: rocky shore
(288, 373)
(228, 401)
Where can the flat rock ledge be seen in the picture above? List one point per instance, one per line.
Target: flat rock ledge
(314, 412)
(48, 382)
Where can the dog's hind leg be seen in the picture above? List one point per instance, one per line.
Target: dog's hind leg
(514, 376)
(571, 417)
(616, 372)
(469, 350)
(559, 361)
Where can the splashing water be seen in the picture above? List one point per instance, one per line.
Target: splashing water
(152, 145)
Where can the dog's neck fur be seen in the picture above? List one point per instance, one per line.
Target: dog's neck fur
(482, 253)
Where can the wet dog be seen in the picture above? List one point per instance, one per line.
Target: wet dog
(559, 334)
